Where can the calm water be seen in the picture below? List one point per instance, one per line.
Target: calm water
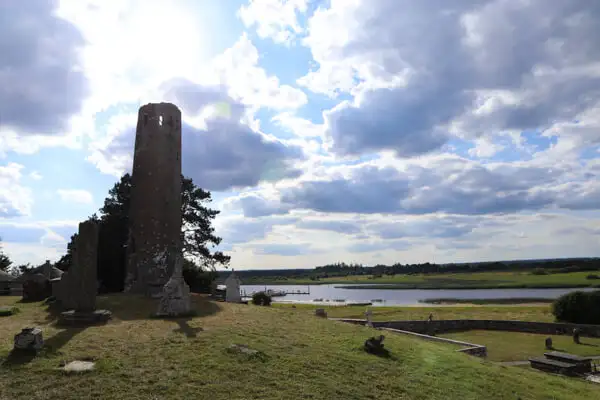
(401, 297)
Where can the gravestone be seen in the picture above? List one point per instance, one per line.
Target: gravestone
(320, 312)
(29, 339)
(549, 343)
(576, 333)
(232, 291)
(78, 287)
(368, 315)
(175, 295)
(374, 345)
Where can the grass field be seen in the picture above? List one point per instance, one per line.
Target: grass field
(540, 313)
(516, 346)
(478, 280)
(302, 357)
(511, 300)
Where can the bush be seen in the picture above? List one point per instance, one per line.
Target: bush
(592, 276)
(539, 271)
(261, 299)
(578, 307)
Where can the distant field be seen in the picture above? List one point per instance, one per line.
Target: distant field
(477, 280)
(503, 312)
(516, 346)
(512, 300)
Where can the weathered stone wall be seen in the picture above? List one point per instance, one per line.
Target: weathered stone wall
(476, 350)
(155, 210)
(443, 326)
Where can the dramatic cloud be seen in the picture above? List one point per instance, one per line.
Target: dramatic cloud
(220, 150)
(15, 200)
(284, 249)
(78, 196)
(42, 232)
(368, 190)
(236, 230)
(275, 19)
(370, 246)
(346, 227)
(447, 227)
(238, 69)
(41, 83)
(428, 69)
(223, 155)
(446, 184)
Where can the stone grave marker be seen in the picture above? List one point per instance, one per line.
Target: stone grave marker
(77, 289)
(175, 295)
(29, 339)
(232, 291)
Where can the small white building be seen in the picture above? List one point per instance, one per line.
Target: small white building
(232, 293)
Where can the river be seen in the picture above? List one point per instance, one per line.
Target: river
(400, 296)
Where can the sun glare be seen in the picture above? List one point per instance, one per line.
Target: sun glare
(166, 39)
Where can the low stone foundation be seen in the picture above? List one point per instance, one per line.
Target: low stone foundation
(476, 350)
(73, 317)
(461, 325)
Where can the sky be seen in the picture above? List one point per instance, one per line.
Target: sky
(368, 131)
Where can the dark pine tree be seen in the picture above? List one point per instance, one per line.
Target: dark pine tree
(197, 236)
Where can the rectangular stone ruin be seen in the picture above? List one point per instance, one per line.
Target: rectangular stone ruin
(562, 363)
(78, 287)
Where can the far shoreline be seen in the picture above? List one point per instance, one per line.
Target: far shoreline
(391, 286)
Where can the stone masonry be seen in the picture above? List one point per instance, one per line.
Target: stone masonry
(175, 294)
(78, 287)
(155, 210)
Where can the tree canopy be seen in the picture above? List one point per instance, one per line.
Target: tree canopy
(5, 262)
(197, 233)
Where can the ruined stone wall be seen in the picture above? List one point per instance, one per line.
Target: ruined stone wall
(442, 326)
(155, 211)
(461, 325)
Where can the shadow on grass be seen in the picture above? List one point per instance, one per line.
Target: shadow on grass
(127, 307)
(18, 357)
(186, 329)
(589, 344)
(27, 301)
(555, 349)
(384, 353)
(56, 342)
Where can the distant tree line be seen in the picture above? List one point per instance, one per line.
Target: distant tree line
(342, 269)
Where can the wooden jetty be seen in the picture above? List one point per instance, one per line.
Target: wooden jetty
(278, 293)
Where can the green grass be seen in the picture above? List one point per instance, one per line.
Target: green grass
(6, 311)
(476, 280)
(517, 346)
(540, 313)
(512, 300)
(301, 357)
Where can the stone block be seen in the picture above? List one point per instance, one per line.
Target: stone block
(29, 339)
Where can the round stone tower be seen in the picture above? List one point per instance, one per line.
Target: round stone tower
(155, 209)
